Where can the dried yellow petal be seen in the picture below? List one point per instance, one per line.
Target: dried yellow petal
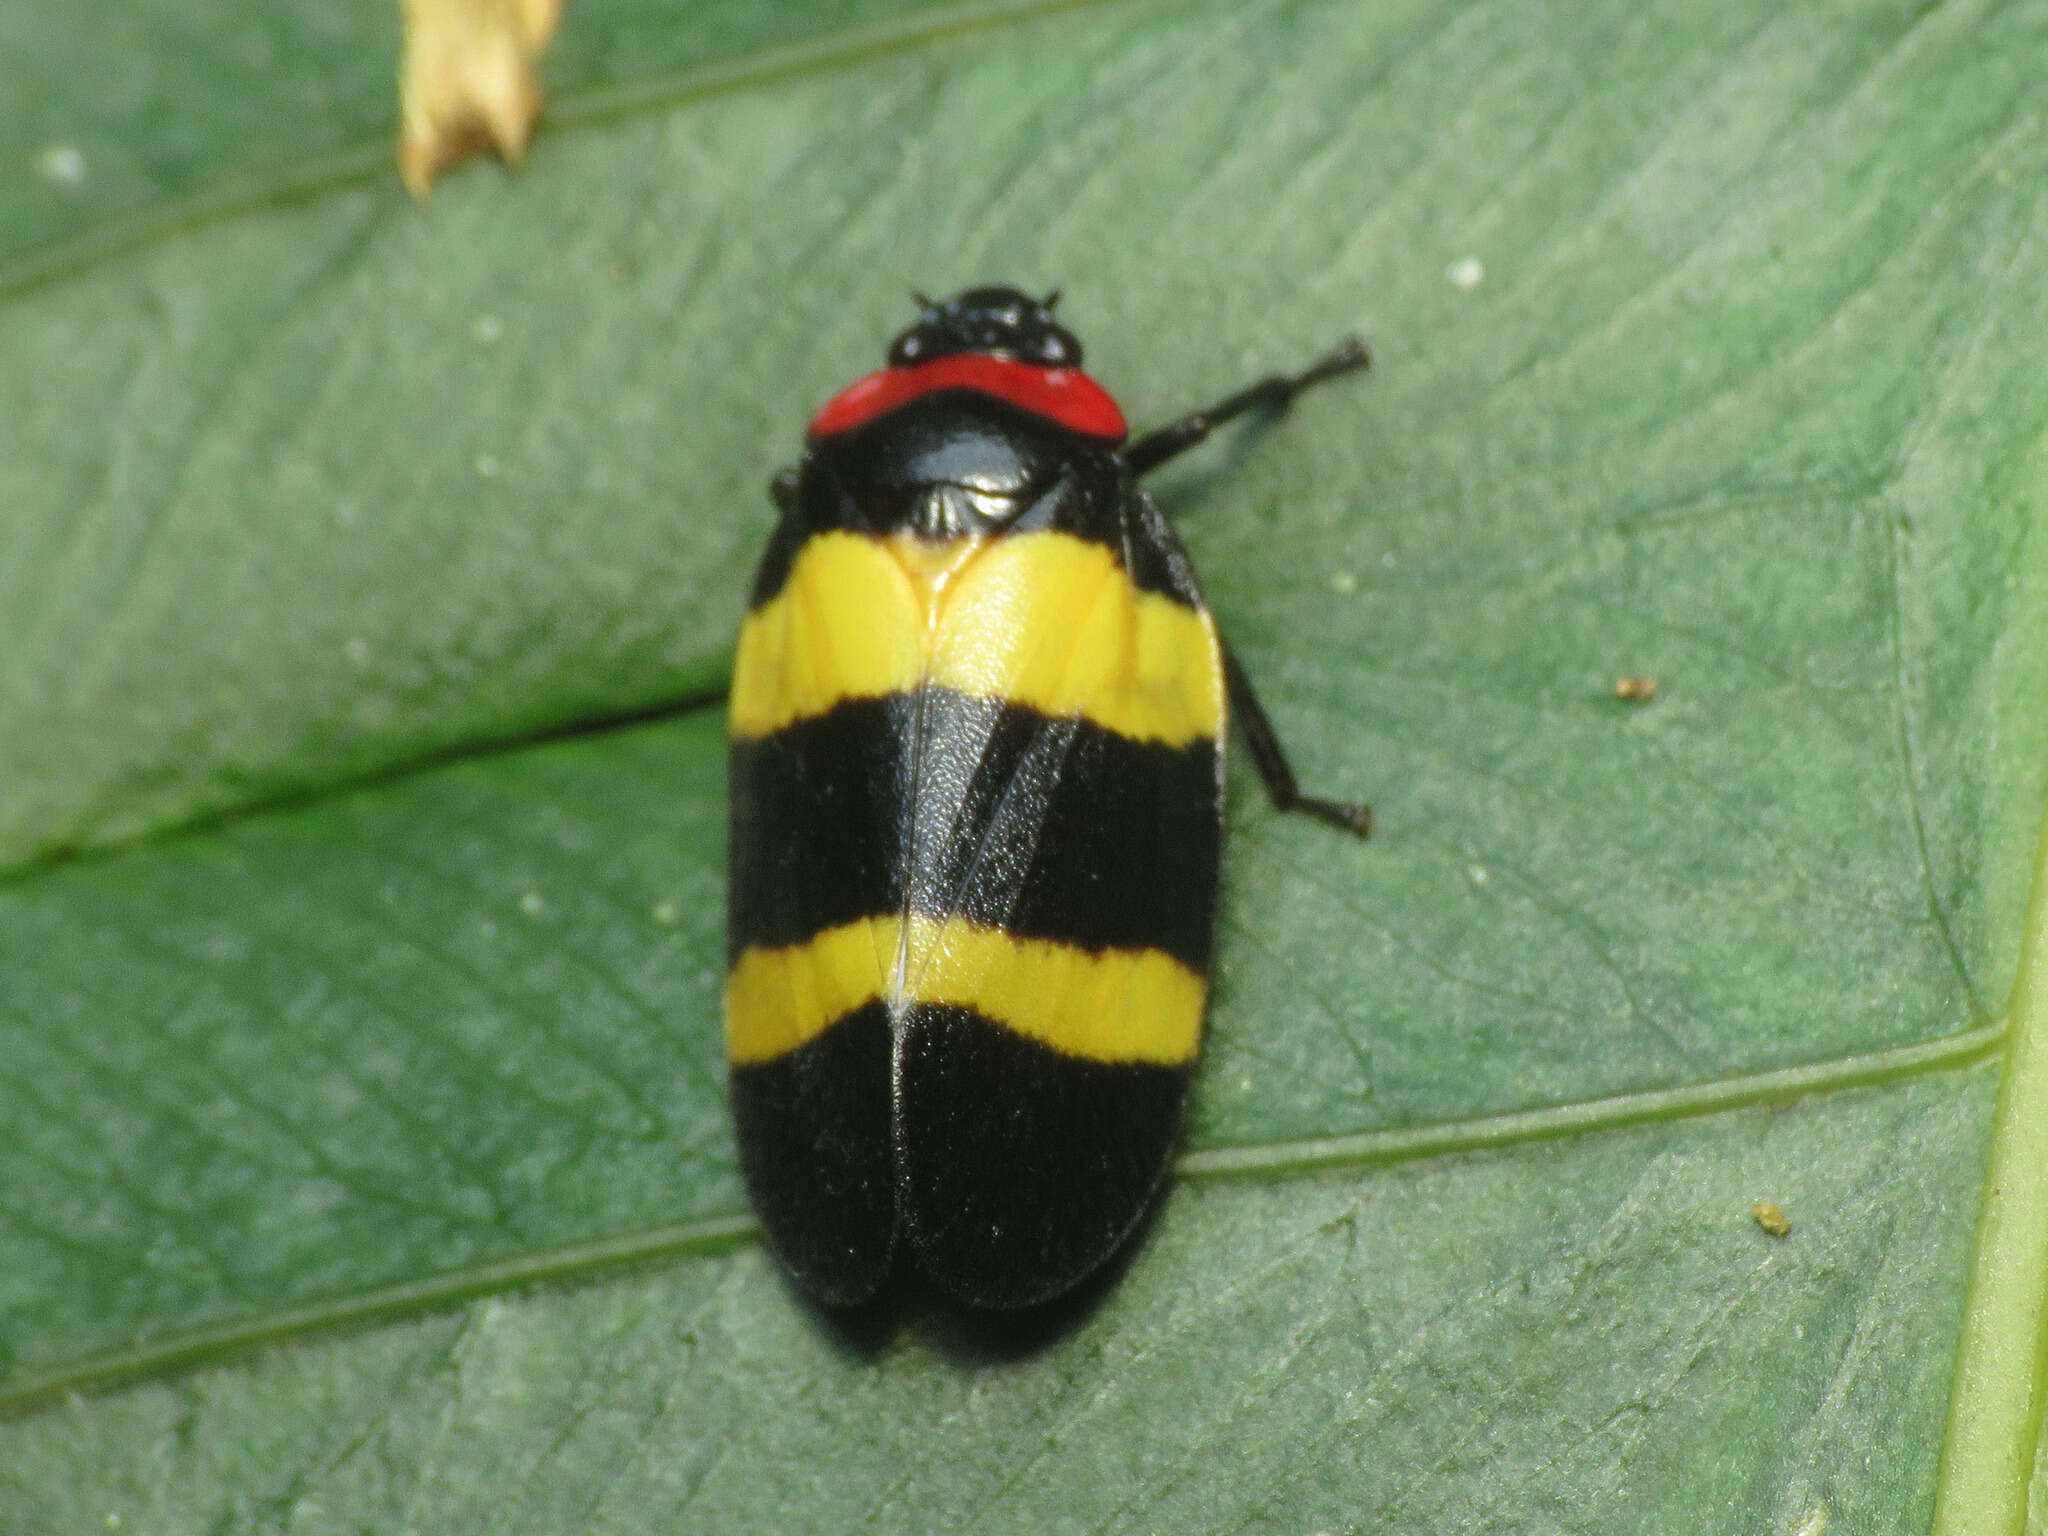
(469, 81)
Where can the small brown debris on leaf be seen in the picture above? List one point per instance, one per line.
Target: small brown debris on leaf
(1636, 690)
(1771, 1217)
(469, 81)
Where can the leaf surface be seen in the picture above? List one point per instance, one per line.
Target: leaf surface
(362, 928)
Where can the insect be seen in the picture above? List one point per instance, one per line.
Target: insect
(977, 716)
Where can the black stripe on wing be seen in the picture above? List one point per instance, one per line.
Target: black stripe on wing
(1023, 1168)
(815, 1127)
(1058, 829)
(1051, 829)
(819, 821)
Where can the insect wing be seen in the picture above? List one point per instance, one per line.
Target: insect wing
(1061, 889)
(819, 798)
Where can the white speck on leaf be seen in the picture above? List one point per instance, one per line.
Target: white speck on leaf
(1466, 273)
(61, 165)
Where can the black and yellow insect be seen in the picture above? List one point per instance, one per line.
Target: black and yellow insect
(978, 719)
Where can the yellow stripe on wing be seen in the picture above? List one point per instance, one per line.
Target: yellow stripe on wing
(1117, 1005)
(1111, 1005)
(779, 999)
(847, 624)
(1043, 620)
(1053, 622)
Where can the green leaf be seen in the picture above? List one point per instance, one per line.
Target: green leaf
(365, 589)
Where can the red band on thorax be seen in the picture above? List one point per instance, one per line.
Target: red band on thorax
(1066, 395)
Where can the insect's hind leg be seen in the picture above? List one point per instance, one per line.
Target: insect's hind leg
(1271, 758)
(1274, 392)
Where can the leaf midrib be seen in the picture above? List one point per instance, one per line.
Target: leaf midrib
(1278, 1160)
(1995, 1406)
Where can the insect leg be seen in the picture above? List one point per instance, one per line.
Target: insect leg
(1271, 758)
(1272, 393)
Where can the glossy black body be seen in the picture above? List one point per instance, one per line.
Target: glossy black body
(1005, 1170)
